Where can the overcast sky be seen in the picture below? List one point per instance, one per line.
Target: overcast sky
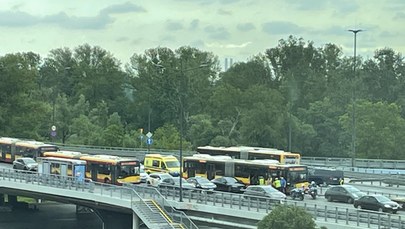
(235, 29)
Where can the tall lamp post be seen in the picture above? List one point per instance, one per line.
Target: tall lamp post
(181, 117)
(354, 31)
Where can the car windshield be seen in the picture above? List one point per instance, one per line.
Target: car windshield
(382, 198)
(269, 189)
(352, 189)
(177, 180)
(172, 164)
(230, 180)
(203, 180)
(29, 161)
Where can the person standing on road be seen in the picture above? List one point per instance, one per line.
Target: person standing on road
(283, 183)
(277, 184)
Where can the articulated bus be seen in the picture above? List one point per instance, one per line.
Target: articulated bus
(246, 171)
(105, 168)
(252, 153)
(13, 148)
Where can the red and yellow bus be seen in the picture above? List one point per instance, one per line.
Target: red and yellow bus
(13, 148)
(105, 168)
(247, 171)
(252, 153)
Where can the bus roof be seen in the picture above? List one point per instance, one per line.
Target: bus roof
(64, 154)
(246, 149)
(107, 158)
(33, 144)
(7, 140)
(58, 159)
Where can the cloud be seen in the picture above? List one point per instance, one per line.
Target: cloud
(100, 21)
(217, 33)
(224, 12)
(245, 27)
(194, 24)
(122, 39)
(228, 46)
(174, 26)
(62, 19)
(341, 6)
(399, 16)
(17, 19)
(281, 28)
(122, 8)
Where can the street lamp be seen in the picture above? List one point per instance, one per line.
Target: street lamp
(354, 31)
(181, 116)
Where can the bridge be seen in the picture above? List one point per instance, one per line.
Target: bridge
(160, 209)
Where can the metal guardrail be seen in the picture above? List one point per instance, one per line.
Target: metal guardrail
(96, 188)
(220, 199)
(337, 215)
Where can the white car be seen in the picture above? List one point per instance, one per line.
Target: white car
(155, 178)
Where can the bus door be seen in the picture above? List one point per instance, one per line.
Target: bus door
(94, 172)
(190, 168)
(210, 171)
(3, 149)
(13, 150)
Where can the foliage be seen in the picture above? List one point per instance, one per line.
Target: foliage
(287, 217)
(295, 95)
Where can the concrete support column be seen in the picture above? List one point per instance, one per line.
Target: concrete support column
(12, 200)
(114, 220)
(135, 221)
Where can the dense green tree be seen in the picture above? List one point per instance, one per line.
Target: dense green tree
(201, 130)
(379, 130)
(287, 217)
(168, 137)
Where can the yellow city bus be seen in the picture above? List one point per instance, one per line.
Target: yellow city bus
(105, 168)
(13, 148)
(247, 171)
(252, 153)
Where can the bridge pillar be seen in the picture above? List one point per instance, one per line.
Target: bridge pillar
(12, 200)
(2, 200)
(135, 221)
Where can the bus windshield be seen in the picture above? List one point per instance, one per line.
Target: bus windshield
(297, 176)
(128, 170)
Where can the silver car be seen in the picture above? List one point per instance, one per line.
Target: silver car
(25, 163)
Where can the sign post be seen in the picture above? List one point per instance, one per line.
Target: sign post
(149, 140)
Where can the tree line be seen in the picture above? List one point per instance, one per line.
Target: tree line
(295, 97)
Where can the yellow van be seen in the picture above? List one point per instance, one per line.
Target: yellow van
(161, 163)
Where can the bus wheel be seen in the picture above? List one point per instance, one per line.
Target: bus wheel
(106, 180)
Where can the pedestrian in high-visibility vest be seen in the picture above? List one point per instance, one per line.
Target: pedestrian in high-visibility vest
(277, 184)
(341, 181)
(261, 180)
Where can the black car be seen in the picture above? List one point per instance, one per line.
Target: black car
(343, 193)
(228, 184)
(25, 163)
(202, 183)
(377, 203)
(266, 191)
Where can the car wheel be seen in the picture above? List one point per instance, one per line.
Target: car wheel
(329, 198)
(359, 207)
(350, 200)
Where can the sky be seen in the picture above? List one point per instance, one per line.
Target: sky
(237, 29)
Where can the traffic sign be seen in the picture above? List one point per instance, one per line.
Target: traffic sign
(149, 141)
(149, 135)
(53, 128)
(53, 133)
